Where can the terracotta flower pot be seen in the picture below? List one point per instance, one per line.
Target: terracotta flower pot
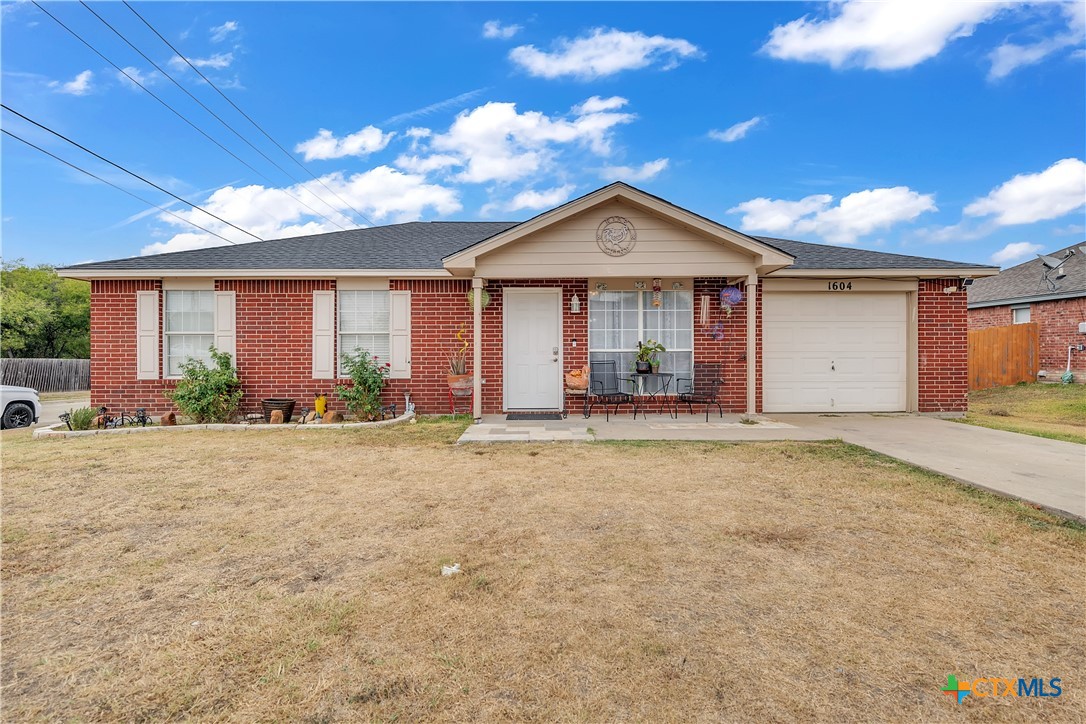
(461, 385)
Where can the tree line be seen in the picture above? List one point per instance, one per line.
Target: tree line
(41, 314)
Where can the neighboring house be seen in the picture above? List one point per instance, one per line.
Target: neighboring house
(818, 329)
(1031, 292)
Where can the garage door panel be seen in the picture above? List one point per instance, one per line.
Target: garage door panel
(834, 352)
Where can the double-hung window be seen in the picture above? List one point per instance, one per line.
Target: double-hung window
(189, 328)
(364, 324)
(618, 320)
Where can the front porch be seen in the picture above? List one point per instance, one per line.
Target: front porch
(575, 428)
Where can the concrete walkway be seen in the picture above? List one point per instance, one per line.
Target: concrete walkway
(1050, 473)
(495, 428)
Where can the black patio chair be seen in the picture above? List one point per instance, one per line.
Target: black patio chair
(603, 387)
(702, 388)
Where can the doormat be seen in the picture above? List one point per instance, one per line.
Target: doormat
(513, 416)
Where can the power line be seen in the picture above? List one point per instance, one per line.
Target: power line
(246, 115)
(151, 93)
(130, 173)
(231, 128)
(119, 188)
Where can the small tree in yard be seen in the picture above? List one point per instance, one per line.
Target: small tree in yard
(368, 377)
(208, 394)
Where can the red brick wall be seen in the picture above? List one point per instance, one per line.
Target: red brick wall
(274, 342)
(113, 348)
(942, 347)
(1057, 323)
(990, 317)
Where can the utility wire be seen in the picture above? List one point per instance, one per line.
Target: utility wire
(110, 183)
(130, 173)
(164, 103)
(231, 128)
(246, 115)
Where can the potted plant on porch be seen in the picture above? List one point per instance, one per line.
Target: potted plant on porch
(460, 381)
(648, 356)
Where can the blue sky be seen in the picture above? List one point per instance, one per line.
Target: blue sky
(953, 130)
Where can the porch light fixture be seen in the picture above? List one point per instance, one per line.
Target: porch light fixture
(575, 304)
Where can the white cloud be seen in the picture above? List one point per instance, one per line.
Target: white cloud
(220, 32)
(595, 104)
(1008, 57)
(878, 35)
(1014, 252)
(495, 142)
(494, 29)
(1030, 197)
(383, 194)
(854, 216)
(538, 200)
(426, 164)
(644, 172)
(218, 61)
(361, 143)
(736, 132)
(604, 52)
(135, 74)
(78, 86)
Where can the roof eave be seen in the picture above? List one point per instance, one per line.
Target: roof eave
(889, 273)
(91, 274)
(1029, 299)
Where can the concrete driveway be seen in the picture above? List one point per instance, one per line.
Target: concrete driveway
(1050, 473)
(52, 408)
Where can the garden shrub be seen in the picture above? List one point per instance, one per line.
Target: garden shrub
(81, 418)
(208, 394)
(368, 377)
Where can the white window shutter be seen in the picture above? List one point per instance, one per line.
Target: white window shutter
(225, 326)
(324, 335)
(399, 328)
(147, 335)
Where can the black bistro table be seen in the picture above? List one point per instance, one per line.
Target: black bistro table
(641, 394)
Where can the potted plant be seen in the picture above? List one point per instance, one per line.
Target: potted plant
(648, 359)
(460, 382)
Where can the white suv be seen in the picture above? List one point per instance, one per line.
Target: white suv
(21, 406)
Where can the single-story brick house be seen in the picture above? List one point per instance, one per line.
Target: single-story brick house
(1031, 292)
(808, 327)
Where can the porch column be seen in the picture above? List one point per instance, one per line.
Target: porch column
(752, 344)
(477, 348)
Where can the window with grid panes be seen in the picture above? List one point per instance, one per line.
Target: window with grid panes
(364, 324)
(189, 328)
(618, 320)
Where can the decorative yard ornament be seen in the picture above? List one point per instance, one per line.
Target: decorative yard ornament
(616, 236)
(657, 294)
(471, 298)
(729, 297)
(717, 332)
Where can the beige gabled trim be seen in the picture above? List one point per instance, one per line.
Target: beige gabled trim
(971, 273)
(89, 274)
(767, 258)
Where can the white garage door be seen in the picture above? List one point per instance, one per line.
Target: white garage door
(833, 352)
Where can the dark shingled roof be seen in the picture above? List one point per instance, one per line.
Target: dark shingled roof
(423, 245)
(824, 256)
(415, 245)
(1026, 281)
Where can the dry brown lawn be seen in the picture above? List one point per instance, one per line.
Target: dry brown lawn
(295, 576)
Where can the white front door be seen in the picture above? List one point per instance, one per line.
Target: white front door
(533, 349)
(833, 352)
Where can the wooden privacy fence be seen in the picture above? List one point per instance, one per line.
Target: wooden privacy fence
(1001, 356)
(46, 375)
